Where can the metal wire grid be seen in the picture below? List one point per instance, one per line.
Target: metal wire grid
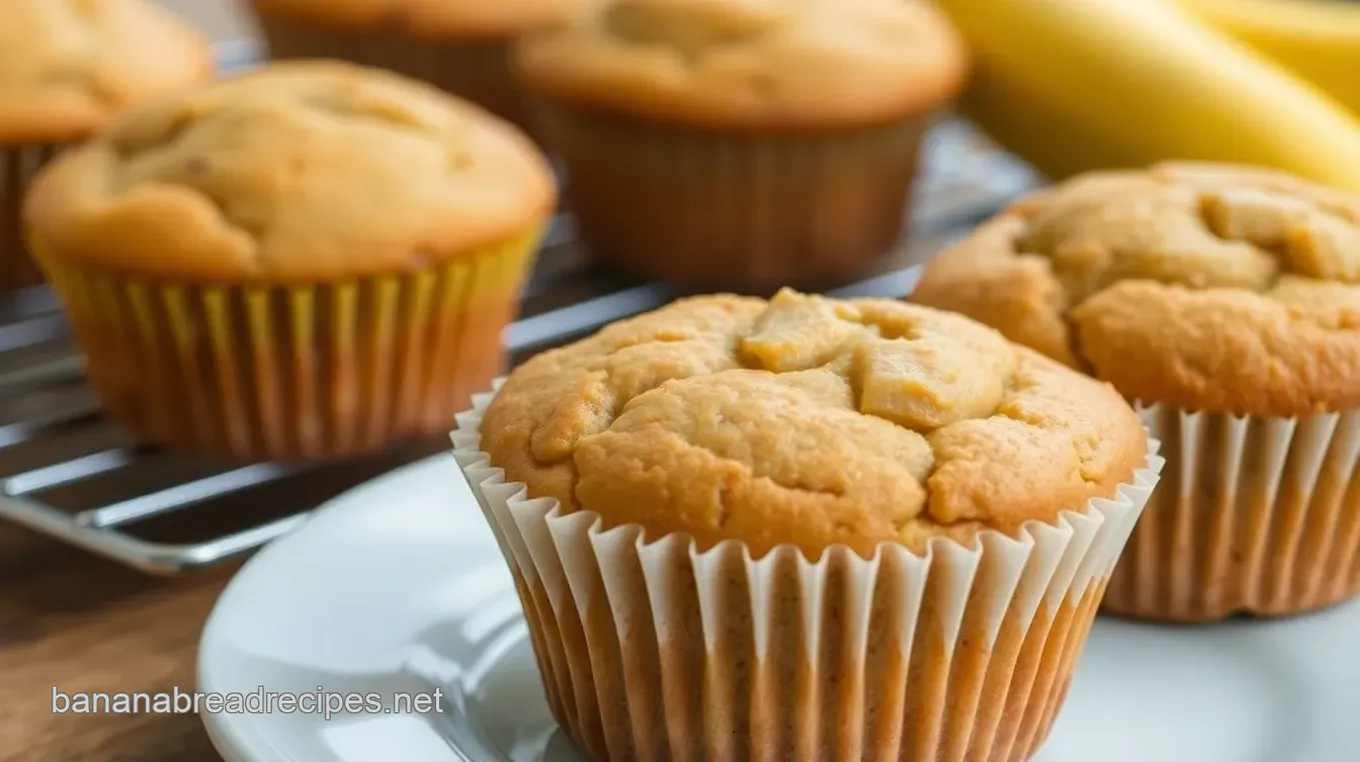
(68, 473)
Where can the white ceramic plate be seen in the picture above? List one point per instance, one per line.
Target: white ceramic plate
(397, 588)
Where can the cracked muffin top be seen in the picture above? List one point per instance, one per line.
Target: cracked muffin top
(293, 172)
(810, 421)
(1203, 286)
(431, 19)
(754, 64)
(67, 66)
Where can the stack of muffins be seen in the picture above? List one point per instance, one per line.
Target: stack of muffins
(797, 528)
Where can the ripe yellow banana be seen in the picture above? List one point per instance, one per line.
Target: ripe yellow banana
(1075, 85)
(1318, 40)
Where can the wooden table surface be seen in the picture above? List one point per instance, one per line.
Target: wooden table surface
(77, 623)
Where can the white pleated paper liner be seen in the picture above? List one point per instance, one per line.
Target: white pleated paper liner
(1253, 514)
(651, 650)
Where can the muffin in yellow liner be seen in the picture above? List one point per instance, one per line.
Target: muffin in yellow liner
(805, 529)
(1224, 300)
(312, 260)
(65, 70)
(462, 46)
(762, 142)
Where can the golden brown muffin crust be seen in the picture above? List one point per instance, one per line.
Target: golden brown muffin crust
(294, 172)
(423, 19)
(750, 64)
(809, 421)
(67, 66)
(1203, 286)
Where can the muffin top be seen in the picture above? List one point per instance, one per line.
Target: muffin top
(427, 19)
(69, 65)
(812, 422)
(749, 64)
(1202, 286)
(294, 172)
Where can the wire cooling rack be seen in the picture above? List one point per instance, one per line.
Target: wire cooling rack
(68, 473)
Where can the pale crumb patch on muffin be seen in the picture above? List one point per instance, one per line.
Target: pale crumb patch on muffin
(810, 421)
(294, 172)
(749, 64)
(69, 66)
(1204, 286)
(923, 384)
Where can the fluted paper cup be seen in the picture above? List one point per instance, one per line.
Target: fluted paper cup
(652, 649)
(298, 372)
(478, 70)
(704, 207)
(18, 166)
(1253, 514)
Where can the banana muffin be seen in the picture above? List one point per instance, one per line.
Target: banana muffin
(311, 260)
(1223, 300)
(764, 142)
(806, 529)
(462, 46)
(67, 68)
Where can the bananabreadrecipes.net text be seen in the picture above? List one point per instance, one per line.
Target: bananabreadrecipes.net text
(321, 702)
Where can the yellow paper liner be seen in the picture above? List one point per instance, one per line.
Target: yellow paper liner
(1254, 515)
(731, 210)
(317, 372)
(18, 166)
(652, 650)
(478, 70)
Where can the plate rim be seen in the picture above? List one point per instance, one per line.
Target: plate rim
(228, 733)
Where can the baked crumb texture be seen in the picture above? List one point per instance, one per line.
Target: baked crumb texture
(68, 66)
(756, 64)
(809, 421)
(296, 172)
(1208, 287)
(724, 417)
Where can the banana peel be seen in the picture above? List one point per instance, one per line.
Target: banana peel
(1319, 40)
(1078, 85)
